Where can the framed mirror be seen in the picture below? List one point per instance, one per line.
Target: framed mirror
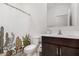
(58, 14)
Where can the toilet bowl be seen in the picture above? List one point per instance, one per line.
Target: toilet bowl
(32, 48)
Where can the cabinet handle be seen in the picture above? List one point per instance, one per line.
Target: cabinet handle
(60, 52)
(57, 50)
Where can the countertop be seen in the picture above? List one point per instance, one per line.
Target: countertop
(61, 36)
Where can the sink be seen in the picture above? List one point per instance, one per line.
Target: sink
(64, 33)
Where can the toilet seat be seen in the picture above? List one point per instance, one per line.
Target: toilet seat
(29, 47)
(28, 50)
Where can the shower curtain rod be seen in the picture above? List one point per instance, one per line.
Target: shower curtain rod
(17, 9)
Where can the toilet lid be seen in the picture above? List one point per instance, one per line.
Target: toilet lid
(30, 47)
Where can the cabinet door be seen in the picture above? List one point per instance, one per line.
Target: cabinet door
(66, 51)
(49, 50)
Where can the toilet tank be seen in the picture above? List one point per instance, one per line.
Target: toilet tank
(35, 39)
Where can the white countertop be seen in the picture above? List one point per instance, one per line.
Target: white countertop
(62, 36)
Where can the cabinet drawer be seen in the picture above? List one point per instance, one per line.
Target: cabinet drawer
(49, 39)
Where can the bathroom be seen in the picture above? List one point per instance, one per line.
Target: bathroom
(37, 20)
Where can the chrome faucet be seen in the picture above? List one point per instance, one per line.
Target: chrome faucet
(59, 32)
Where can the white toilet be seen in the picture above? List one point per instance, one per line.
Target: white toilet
(33, 47)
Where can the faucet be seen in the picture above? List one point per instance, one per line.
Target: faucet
(59, 32)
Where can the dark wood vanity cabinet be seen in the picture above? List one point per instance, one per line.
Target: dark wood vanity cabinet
(57, 46)
(47, 48)
(66, 51)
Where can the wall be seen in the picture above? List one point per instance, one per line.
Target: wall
(14, 21)
(39, 13)
(19, 23)
(77, 14)
(74, 14)
(57, 14)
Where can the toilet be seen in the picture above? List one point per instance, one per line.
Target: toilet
(33, 47)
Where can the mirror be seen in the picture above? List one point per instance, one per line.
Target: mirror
(58, 14)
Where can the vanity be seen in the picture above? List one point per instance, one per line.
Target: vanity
(60, 45)
(61, 37)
